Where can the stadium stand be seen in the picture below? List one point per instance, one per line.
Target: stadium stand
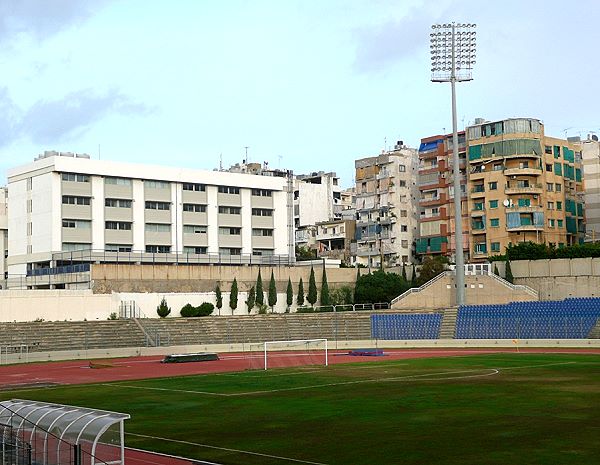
(572, 318)
(406, 326)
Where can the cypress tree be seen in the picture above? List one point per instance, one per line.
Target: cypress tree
(251, 299)
(260, 296)
(404, 272)
(325, 300)
(289, 294)
(272, 292)
(508, 273)
(300, 296)
(219, 297)
(233, 297)
(413, 278)
(312, 288)
(496, 270)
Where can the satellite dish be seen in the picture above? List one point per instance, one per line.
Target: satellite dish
(506, 203)
(595, 137)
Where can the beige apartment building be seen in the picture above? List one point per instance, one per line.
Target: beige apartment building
(590, 154)
(522, 186)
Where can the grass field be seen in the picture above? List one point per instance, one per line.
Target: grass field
(484, 409)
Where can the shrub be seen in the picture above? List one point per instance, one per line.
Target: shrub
(341, 296)
(205, 309)
(305, 310)
(188, 310)
(379, 286)
(262, 310)
(112, 316)
(163, 309)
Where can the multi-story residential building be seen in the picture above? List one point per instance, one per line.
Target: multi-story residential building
(436, 196)
(3, 232)
(335, 239)
(590, 155)
(523, 186)
(317, 197)
(62, 203)
(386, 211)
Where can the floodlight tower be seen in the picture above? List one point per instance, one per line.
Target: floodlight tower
(452, 60)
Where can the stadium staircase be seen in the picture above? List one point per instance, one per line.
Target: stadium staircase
(595, 331)
(448, 327)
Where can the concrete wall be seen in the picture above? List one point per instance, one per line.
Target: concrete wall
(557, 279)
(203, 278)
(480, 290)
(54, 305)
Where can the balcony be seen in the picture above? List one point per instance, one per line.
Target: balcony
(476, 212)
(435, 200)
(478, 191)
(525, 227)
(524, 208)
(533, 189)
(523, 172)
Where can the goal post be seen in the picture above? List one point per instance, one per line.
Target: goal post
(281, 354)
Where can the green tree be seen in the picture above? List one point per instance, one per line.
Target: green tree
(508, 273)
(163, 309)
(312, 288)
(272, 292)
(496, 270)
(404, 272)
(379, 286)
(289, 294)
(325, 300)
(413, 277)
(251, 299)
(305, 253)
(260, 295)
(357, 278)
(219, 297)
(430, 269)
(233, 296)
(300, 296)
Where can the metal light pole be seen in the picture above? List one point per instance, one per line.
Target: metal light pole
(452, 60)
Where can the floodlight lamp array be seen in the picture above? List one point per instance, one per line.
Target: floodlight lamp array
(448, 41)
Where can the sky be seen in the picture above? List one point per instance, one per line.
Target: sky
(305, 85)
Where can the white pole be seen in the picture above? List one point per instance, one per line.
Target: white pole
(265, 355)
(326, 358)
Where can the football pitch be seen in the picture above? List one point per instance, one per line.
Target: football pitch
(505, 408)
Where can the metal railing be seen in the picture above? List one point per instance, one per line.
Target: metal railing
(412, 290)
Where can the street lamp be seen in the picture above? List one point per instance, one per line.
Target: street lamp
(452, 60)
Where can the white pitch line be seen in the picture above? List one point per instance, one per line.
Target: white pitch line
(178, 441)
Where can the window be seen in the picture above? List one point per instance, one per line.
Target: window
(73, 246)
(75, 200)
(404, 244)
(260, 252)
(478, 206)
(118, 225)
(230, 210)
(403, 228)
(194, 229)
(548, 149)
(261, 212)
(262, 193)
(118, 181)
(493, 204)
(524, 164)
(157, 184)
(229, 190)
(402, 168)
(117, 248)
(188, 186)
(29, 183)
(559, 223)
(402, 183)
(551, 223)
(497, 167)
(158, 205)
(117, 203)
(72, 177)
(157, 227)
(230, 251)
(549, 186)
(263, 232)
(403, 213)
(158, 249)
(77, 224)
(550, 205)
(494, 222)
(495, 246)
(524, 202)
(229, 231)
(30, 228)
(558, 187)
(493, 185)
(549, 167)
(194, 207)
(558, 169)
(29, 205)
(559, 205)
(196, 250)
(435, 211)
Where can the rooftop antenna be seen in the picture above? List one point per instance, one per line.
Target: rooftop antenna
(221, 161)
(98, 151)
(385, 143)
(246, 147)
(565, 131)
(279, 164)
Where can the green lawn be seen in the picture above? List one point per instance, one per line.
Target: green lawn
(542, 409)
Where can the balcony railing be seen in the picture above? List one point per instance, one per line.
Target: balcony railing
(533, 189)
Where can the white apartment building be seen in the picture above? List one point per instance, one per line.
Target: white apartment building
(3, 232)
(386, 207)
(62, 204)
(590, 160)
(317, 198)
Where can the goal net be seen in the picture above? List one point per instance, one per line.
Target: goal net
(281, 354)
